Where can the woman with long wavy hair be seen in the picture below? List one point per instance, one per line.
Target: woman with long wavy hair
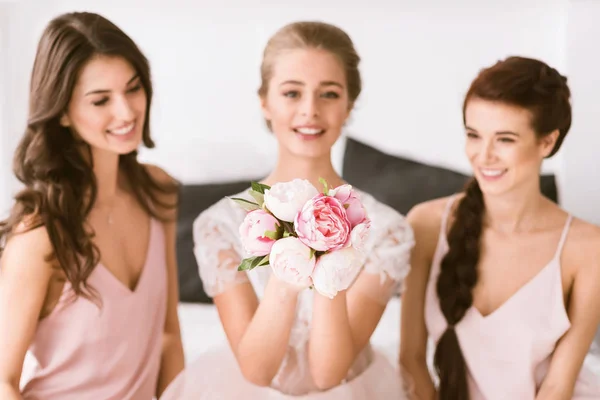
(505, 282)
(87, 269)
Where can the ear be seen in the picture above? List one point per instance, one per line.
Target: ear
(65, 121)
(548, 142)
(265, 108)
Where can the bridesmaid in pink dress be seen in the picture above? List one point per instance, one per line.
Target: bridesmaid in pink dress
(87, 274)
(505, 282)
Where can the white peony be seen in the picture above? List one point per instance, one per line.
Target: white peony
(336, 271)
(286, 199)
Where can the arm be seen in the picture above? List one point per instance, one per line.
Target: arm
(342, 326)
(172, 358)
(258, 333)
(584, 314)
(24, 279)
(413, 345)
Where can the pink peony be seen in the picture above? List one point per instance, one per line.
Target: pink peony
(252, 232)
(323, 224)
(336, 271)
(292, 261)
(349, 198)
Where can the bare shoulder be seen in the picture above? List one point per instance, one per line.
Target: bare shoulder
(428, 215)
(167, 192)
(584, 239)
(28, 251)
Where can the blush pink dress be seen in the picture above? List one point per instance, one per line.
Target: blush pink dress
(509, 351)
(216, 375)
(108, 353)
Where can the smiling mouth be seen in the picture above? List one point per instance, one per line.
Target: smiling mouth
(309, 133)
(123, 130)
(492, 173)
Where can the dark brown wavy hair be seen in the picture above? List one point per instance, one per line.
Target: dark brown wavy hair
(516, 81)
(56, 170)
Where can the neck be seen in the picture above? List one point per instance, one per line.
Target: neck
(106, 170)
(516, 211)
(290, 166)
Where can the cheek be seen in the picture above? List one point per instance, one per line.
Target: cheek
(89, 121)
(521, 156)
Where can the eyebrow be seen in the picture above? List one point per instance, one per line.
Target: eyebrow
(323, 83)
(497, 133)
(100, 91)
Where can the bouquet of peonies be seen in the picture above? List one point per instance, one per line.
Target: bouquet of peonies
(309, 239)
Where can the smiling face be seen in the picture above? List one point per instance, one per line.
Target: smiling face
(503, 149)
(307, 101)
(108, 106)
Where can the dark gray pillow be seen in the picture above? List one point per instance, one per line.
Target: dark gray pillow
(193, 199)
(402, 183)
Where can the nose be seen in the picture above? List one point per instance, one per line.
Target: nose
(122, 109)
(309, 107)
(486, 153)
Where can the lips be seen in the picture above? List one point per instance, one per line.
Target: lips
(492, 173)
(123, 129)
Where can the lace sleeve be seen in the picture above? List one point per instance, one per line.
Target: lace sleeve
(217, 248)
(387, 255)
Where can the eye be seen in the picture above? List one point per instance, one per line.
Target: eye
(506, 140)
(136, 88)
(100, 102)
(292, 94)
(331, 95)
(472, 135)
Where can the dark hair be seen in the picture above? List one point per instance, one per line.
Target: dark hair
(59, 183)
(312, 35)
(516, 81)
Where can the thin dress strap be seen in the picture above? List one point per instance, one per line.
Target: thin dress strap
(563, 236)
(446, 215)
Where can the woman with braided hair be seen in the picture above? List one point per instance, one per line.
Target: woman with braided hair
(505, 282)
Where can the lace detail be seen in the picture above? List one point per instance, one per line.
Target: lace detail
(387, 252)
(218, 248)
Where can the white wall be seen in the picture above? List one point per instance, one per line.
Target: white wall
(418, 59)
(4, 145)
(582, 147)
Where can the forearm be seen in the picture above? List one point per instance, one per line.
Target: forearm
(332, 347)
(416, 376)
(264, 344)
(556, 390)
(9, 392)
(172, 361)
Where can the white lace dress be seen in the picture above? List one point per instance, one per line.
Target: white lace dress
(216, 375)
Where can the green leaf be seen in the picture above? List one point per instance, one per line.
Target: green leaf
(265, 261)
(274, 235)
(259, 197)
(246, 264)
(325, 186)
(312, 253)
(245, 204)
(287, 234)
(259, 187)
(249, 264)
